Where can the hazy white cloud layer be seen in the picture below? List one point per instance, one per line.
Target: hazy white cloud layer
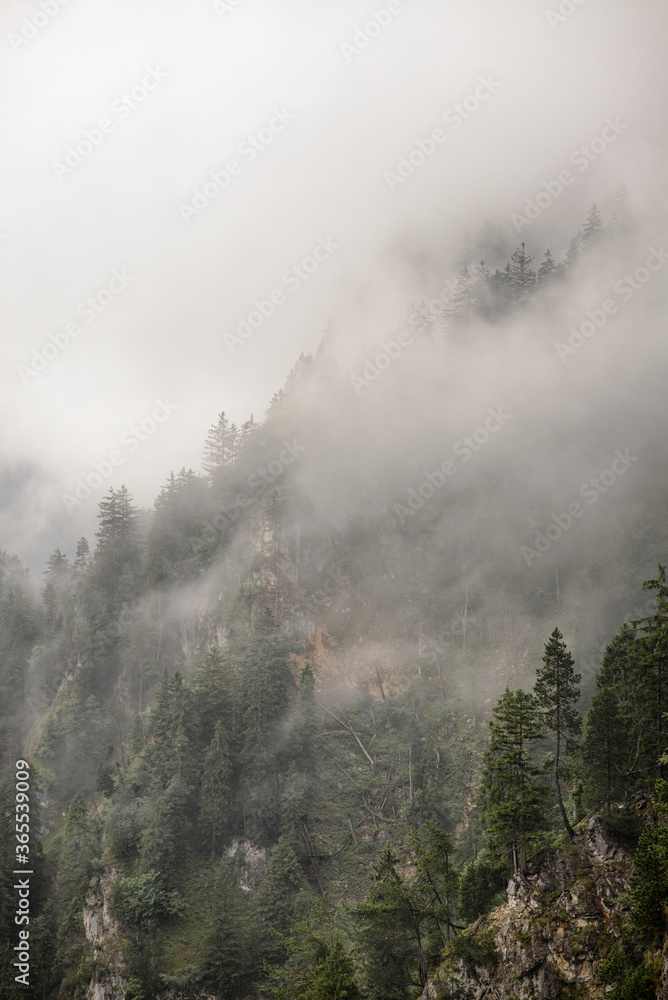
(193, 191)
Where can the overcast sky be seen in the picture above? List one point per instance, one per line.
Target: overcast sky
(115, 114)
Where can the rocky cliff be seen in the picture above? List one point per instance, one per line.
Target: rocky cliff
(560, 920)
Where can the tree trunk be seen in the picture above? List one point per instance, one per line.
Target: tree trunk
(569, 828)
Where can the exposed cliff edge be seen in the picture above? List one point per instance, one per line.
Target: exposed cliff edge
(546, 942)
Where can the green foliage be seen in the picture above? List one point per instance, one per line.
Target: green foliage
(228, 953)
(556, 691)
(513, 793)
(649, 882)
(480, 888)
(143, 900)
(626, 978)
(318, 968)
(283, 897)
(388, 936)
(473, 948)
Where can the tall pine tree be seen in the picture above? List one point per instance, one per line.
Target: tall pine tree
(557, 693)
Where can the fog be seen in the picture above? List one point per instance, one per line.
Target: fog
(116, 117)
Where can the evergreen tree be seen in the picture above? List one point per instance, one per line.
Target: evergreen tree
(605, 748)
(216, 774)
(462, 298)
(283, 898)
(621, 223)
(389, 934)
(547, 270)
(220, 449)
(318, 965)
(481, 883)
(650, 675)
(572, 255)
(522, 277)
(81, 557)
(483, 291)
(592, 230)
(229, 951)
(513, 793)
(118, 554)
(556, 694)
(436, 881)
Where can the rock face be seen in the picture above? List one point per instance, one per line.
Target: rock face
(106, 939)
(547, 940)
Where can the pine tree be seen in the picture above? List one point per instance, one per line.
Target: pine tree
(216, 774)
(462, 298)
(118, 554)
(522, 277)
(650, 675)
(389, 934)
(318, 965)
(592, 230)
(513, 792)
(547, 270)
(282, 899)
(483, 291)
(621, 223)
(606, 748)
(572, 255)
(556, 694)
(220, 449)
(437, 880)
(229, 951)
(81, 557)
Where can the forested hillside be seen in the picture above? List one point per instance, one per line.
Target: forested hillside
(292, 730)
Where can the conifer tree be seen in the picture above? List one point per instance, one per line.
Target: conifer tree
(592, 230)
(462, 298)
(318, 965)
(650, 675)
(522, 277)
(229, 950)
(81, 558)
(220, 449)
(547, 269)
(483, 291)
(513, 792)
(390, 936)
(572, 255)
(283, 898)
(621, 222)
(556, 690)
(605, 748)
(216, 774)
(437, 880)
